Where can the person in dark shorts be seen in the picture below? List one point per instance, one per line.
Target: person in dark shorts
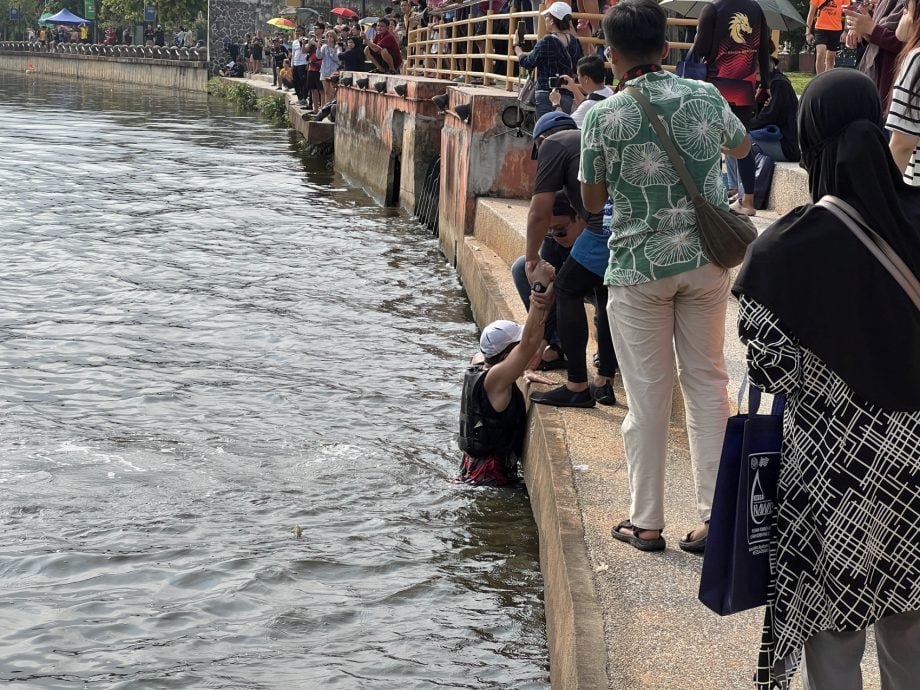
(314, 87)
(383, 50)
(733, 38)
(257, 47)
(825, 16)
(279, 55)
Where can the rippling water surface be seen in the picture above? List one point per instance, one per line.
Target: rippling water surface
(204, 341)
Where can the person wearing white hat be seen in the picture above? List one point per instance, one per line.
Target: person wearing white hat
(554, 55)
(493, 414)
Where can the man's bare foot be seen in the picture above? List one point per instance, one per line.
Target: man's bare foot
(642, 539)
(699, 532)
(695, 541)
(643, 533)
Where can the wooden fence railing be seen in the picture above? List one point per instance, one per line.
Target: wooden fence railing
(446, 49)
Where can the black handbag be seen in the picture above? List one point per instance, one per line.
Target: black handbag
(528, 93)
(724, 236)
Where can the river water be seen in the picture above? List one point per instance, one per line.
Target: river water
(205, 341)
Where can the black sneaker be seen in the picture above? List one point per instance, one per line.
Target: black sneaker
(563, 397)
(603, 395)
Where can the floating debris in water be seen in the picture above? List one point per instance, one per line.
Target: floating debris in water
(297, 530)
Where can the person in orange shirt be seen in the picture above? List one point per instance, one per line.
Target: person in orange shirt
(825, 16)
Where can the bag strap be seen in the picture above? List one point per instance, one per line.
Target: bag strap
(821, 8)
(874, 242)
(566, 45)
(779, 400)
(676, 160)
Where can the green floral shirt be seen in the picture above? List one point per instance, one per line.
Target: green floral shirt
(653, 230)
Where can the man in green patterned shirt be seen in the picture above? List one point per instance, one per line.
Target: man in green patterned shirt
(663, 296)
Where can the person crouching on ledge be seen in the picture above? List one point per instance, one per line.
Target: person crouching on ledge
(383, 50)
(493, 414)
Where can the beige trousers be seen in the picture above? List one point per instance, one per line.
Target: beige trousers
(650, 323)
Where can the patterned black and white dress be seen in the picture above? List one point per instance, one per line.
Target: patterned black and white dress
(845, 550)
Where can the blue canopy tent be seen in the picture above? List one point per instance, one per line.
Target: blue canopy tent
(65, 17)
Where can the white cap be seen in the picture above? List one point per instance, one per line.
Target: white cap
(498, 335)
(559, 10)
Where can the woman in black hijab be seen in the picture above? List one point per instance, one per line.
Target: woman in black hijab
(827, 325)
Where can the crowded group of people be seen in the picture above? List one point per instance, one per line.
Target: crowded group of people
(153, 35)
(827, 322)
(48, 36)
(308, 63)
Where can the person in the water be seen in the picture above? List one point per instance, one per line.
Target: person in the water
(493, 415)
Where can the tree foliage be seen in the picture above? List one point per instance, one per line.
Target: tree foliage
(170, 13)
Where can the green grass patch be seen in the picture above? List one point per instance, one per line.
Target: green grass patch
(241, 94)
(273, 107)
(799, 80)
(247, 100)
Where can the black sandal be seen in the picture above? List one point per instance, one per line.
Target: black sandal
(635, 540)
(553, 364)
(694, 545)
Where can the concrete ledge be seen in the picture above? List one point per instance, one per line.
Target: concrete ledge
(313, 132)
(502, 225)
(316, 132)
(487, 283)
(789, 189)
(574, 618)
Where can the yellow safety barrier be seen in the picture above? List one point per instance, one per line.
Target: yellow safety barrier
(446, 49)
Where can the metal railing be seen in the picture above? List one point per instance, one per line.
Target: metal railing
(102, 50)
(445, 50)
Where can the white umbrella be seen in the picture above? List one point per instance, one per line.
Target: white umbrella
(780, 14)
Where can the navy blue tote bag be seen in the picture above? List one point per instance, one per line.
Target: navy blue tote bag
(736, 565)
(692, 68)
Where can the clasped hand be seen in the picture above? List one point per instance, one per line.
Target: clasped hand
(541, 272)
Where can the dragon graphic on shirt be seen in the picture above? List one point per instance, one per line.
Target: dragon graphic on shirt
(738, 25)
(736, 58)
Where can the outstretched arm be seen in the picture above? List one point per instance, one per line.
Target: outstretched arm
(500, 377)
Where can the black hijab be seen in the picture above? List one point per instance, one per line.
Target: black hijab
(817, 278)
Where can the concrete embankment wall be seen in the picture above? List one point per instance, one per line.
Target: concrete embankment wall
(385, 139)
(479, 158)
(174, 74)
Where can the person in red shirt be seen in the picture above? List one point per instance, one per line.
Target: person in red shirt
(384, 50)
(314, 87)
